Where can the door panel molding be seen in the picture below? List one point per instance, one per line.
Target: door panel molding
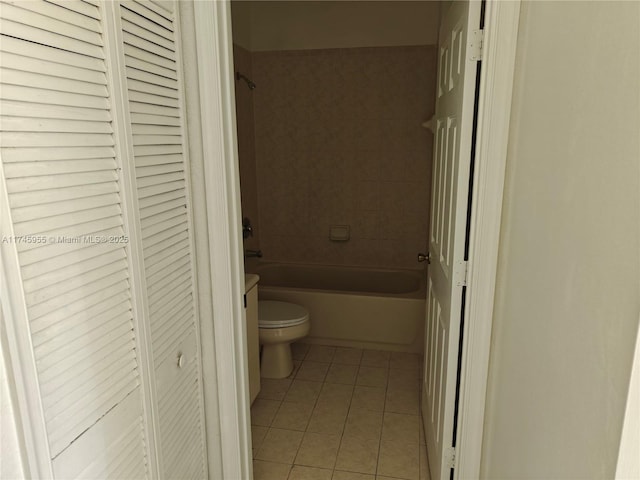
(452, 166)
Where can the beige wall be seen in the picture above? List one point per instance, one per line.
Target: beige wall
(343, 88)
(241, 23)
(302, 25)
(246, 145)
(339, 141)
(567, 301)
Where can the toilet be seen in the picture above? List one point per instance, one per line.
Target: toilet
(280, 324)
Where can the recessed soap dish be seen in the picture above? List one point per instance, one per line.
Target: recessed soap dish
(339, 233)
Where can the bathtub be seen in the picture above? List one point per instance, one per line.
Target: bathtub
(352, 306)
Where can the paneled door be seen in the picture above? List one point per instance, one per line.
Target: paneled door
(457, 71)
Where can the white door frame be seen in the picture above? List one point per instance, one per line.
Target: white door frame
(494, 110)
(628, 461)
(215, 65)
(225, 349)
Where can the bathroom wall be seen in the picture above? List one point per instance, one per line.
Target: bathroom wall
(246, 145)
(241, 23)
(304, 25)
(338, 140)
(342, 89)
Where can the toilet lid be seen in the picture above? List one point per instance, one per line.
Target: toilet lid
(274, 314)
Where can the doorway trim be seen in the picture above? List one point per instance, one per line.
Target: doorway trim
(494, 110)
(226, 345)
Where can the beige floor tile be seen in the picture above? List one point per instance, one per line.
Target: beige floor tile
(270, 471)
(338, 475)
(336, 391)
(324, 408)
(424, 464)
(399, 460)
(263, 411)
(293, 416)
(274, 389)
(364, 424)
(400, 428)
(368, 398)
(404, 379)
(280, 446)
(375, 358)
(313, 371)
(303, 391)
(318, 420)
(407, 373)
(357, 455)
(348, 356)
(320, 353)
(318, 450)
(405, 360)
(402, 401)
(299, 350)
(398, 383)
(257, 435)
(335, 396)
(327, 420)
(296, 367)
(339, 373)
(372, 376)
(309, 473)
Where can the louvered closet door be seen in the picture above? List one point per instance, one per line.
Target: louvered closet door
(64, 189)
(151, 55)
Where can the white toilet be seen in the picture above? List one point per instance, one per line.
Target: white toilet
(280, 324)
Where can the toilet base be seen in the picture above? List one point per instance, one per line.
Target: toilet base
(276, 360)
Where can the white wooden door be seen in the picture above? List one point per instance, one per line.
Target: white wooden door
(64, 228)
(457, 67)
(158, 153)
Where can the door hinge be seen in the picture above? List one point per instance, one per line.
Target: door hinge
(450, 457)
(476, 41)
(460, 273)
(244, 299)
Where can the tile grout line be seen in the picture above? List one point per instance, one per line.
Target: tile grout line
(309, 421)
(344, 426)
(384, 409)
(333, 469)
(270, 426)
(293, 462)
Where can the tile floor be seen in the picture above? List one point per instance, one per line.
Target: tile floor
(343, 414)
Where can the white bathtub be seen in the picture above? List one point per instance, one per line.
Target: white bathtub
(352, 306)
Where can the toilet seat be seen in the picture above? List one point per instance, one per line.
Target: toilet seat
(274, 314)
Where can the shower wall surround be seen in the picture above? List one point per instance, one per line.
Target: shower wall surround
(338, 140)
(246, 146)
